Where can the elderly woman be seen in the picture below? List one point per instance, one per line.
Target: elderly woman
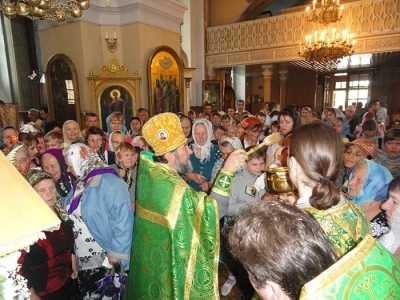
(314, 159)
(52, 162)
(204, 156)
(19, 157)
(100, 207)
(354, 152)
(48, 264)
(8, 135)
(368, 187)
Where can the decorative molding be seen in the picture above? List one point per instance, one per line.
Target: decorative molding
(166, 14)
(373, 22)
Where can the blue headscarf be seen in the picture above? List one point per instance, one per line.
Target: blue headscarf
(376, 183)
(108, 119)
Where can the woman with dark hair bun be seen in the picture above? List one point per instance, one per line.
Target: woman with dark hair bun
(314, 160)
(289, 120)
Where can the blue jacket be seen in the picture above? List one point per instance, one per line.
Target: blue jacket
(107, 212)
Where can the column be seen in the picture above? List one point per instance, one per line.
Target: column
(283, 75)
(268, 72)
(187, 76)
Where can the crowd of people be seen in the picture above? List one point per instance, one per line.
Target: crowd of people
(170, 197)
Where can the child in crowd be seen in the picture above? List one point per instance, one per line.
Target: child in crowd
(242, 196)
(369, 131)
(389, 156)
(232, 130)
(30, 142)
(338, 125)
(53, 139)
(126, 158)
(136, 127)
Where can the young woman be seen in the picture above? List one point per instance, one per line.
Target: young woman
(136, 127)
(71, 132)
(315, 153)
(288, 119)
(96, 140)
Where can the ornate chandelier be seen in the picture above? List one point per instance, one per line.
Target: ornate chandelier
(326, 50)
(52, 10)
(330, 12)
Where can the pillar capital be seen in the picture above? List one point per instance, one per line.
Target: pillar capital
(283, 75)
(268, 70)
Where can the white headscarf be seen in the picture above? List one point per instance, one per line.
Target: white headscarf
(110, 145)
(204, 150)
(82, 166)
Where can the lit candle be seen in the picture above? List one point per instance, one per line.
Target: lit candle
(315, 36)
(300, 47)
(333, 33)
(106, 33)
(340, 11)
(323, 2)
(115, 34)
(313, 4)
(338, 2)
(344, 33)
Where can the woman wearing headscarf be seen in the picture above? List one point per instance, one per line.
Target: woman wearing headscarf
(368, 187)
(47, 266)
(95, 138)
(52, 162)
(100, 207)
(8, 136)
(18, 155)
(204, 156)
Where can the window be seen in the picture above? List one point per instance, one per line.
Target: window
(350, 88)
(70, 91)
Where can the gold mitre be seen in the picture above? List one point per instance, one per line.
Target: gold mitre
(23, 214)
(164, 133)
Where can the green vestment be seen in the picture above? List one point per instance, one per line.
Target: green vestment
(368, 271)
(175, 238)
(345, 224)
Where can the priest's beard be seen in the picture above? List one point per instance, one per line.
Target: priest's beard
(181, 166)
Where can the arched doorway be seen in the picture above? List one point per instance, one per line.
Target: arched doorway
(62, 89)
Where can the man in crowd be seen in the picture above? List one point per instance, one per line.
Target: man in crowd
(44, 116)
(207, 109)
(33, 115)
(91, 119)
(288, 256)
(175, 245)
(350, 116)
(373, 106)
(142, 114)
(240, 107)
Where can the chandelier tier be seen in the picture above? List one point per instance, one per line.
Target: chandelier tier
(52, 10)
(324, 47)
(330, 12)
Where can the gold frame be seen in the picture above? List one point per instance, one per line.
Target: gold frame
(113, 75)
(50, 101)
(206, 87)
(152, 73)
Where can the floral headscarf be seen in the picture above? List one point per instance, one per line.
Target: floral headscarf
(376, 183)
(6, 148)
(82, 166)
(13, 150)
(204, 150)
(235, 142)
(64, 183)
